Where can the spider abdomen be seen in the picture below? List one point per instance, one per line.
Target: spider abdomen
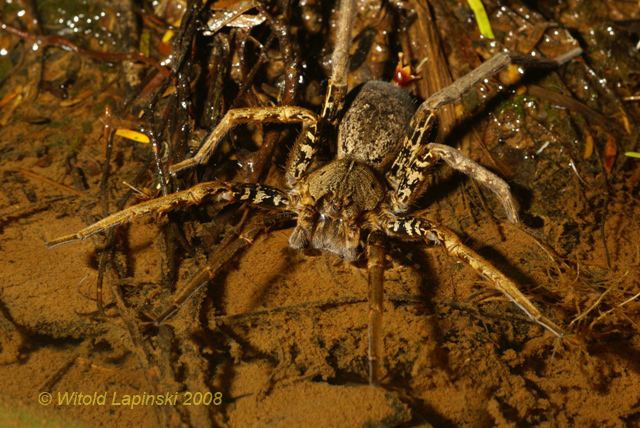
(375, 124)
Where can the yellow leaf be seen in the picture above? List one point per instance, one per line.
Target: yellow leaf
(129, 134)
(167, 36)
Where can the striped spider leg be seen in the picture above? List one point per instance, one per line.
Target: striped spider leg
(254, 194)
(212, 191)
(387, 222)
(234, 117)
(306, 147)
(412, 228)
(415, 159)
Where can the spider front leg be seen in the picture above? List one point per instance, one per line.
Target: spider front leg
(306, 147)
(234, 117)
(415, 160)
(410, 185)
(418, 228)
(214, 191)
(406, 174)
(334, 100)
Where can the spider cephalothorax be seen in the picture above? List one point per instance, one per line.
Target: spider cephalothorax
(383, 159)
(334, 199)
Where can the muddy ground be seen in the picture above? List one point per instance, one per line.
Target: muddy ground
(278, 336)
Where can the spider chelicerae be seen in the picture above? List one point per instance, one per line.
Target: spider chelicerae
(354, 201)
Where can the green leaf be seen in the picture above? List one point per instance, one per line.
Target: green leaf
(481, 18)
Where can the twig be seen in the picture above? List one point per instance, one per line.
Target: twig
(604, 314)
(36, 176)
(592, 307)
(67, 44)
(351, 300)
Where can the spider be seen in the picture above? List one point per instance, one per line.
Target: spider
(363, 195)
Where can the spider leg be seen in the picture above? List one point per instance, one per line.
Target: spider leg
(410, 186)
(234, 117)
(255, 194)
(493, 65)
(419, 228)
(334, 100)
(424, 119)
(375, 266)
(422, 125)
(306, 147)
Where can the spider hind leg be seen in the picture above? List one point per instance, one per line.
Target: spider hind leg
(412, 228)
(375, 267)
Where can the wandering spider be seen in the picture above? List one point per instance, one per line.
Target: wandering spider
(363, 194)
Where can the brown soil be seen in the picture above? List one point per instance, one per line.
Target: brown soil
(280, 335)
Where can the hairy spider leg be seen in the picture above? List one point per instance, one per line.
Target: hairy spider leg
(420, 228)
(411, 184)
(422, 125)
(255, 194)
(337, 87)
(340, 60)
(375, 267)
(406, 174)
(492, 66)
(305, 148)
(234, 117)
